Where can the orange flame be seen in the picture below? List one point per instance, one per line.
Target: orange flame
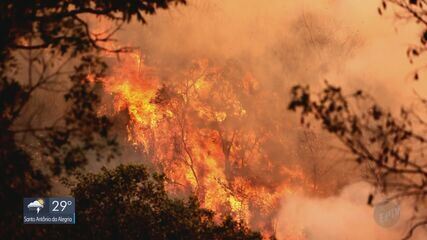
(193, 128)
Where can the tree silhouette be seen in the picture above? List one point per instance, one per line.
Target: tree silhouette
(130, 203)
(390, 147)
(48, 49)
(413, 11)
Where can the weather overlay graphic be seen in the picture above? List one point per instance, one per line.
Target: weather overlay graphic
(49, 210)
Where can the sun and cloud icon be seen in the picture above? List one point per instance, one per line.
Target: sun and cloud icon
(36, 205)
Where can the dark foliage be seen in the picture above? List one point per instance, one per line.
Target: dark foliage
(59, 24)
(129, 203)
(414, 11)
(47, 48)
(390, 148)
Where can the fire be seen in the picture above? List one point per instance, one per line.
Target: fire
(194, 128)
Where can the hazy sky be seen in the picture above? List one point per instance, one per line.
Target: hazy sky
(345, 41)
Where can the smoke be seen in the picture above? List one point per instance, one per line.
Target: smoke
(283, 43)
(345, 216)
(287, 42)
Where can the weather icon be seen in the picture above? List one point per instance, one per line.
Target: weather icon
(36, 205)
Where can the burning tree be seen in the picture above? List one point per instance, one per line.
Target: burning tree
(201, 127)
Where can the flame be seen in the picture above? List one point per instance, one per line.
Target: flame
(192, 127)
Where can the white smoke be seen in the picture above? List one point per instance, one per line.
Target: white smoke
(343, 217)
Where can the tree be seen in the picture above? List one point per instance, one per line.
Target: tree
(390, 147)
(412, 11)
(48, 49)
(210, 129)
(129, 203)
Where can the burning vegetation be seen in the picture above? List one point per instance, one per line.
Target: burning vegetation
(201, 127)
